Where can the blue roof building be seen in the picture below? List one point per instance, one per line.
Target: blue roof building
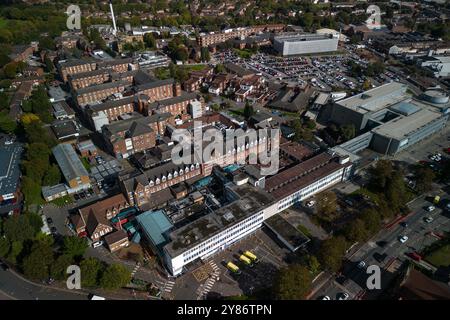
(155, 226)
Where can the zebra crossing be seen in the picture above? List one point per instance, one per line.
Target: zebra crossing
(206, 288)
(136, 268)
(166, 286)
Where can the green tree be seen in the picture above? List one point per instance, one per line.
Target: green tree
(91, 269)
(424, 179)
(292, 283)
(5, 246)
(313, 264)
(58, 269)
(372, 220)
(18, 228)
(327, 204)
(52, 176)
(114, 277)
(10, 70)
(36, 264)
(35, 221)
(7, 125)
(31, 191)
(149, 41)
(15, 251)
(348, 131)
(332, 252)
(74, 246)
(356, 231)
(248, 110)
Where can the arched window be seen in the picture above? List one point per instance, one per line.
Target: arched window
(158, 181)
(151, 183)
(169, 176)
(163, 179)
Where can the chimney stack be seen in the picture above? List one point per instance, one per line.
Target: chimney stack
(112, 17)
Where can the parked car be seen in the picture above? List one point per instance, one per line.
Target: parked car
(49, 220)
(404, 224)
(326, 298)
(361, 265)
(53, 230)
(430, 208)
(343, 296)
(310, 204)
(415, 256)
(97, 244)
(4, 266)
(379, 257)
(403, 239)
(428, 219)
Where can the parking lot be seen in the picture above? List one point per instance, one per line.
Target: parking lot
(213, 276)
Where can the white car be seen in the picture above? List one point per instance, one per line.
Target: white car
(310, 204)
(97, 244)
(430, 208)
(326, 298)
(428, 219)
(403, 239)
(361, 265)
(343, 296)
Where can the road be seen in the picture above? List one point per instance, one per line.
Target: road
(354, 279)
(14, 287)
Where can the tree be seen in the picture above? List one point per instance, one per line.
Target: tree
(91, 269)
(58, 269)
(52, 176)
(35, 221)
(356, 231)
(372, 220)
(205, 56)
(348, 131)
(46, 43)
(424, 179)
(248, 110)
(332, 252)
(10, 70)
(115, 276)
(313, 264)
(18, 228)
(219, 68)
(326, 204)
(149, 41)
(36, 264)
(292, 283)
(15, 251)
(31, 191)
(5, 246)
(7, 125)
(74, 246)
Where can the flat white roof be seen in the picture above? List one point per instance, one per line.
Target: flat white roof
(401, 127)
(375, 99)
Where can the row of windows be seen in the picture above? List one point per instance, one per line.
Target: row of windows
(219, 239)
(311, 189)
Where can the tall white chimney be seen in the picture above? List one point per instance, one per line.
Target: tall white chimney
(112, 16)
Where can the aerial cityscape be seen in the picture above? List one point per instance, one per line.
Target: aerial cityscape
(224, 150)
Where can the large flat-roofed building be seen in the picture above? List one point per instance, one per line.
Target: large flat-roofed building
(10, 156)
(358, 109)
(219, 229)
(71, 166)
(296, 44)
(414, 123)
(307, 178)
(388, 119)
(96, 93)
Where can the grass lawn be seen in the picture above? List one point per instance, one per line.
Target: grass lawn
(440, 257)
(61, 202)
(86, 164)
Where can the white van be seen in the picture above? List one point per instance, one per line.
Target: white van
(97, 244)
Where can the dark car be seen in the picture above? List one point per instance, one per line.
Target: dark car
(379, 257)
(381, 243)
(4, 266)
(404, 224)
(49, 220)
(53, 230)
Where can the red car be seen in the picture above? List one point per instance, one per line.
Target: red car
(447, 150)
(415, 256)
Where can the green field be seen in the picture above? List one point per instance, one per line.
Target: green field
(440, 257)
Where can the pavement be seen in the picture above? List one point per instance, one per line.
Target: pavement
(354, 279)
(15, 287)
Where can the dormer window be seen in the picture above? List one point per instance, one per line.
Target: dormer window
(151, 183)
(192, 167)
(181, 172)
(197, 165)
(163, 179)
(169, 176)
(175, 174)
(158, 181)
(186, 169)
